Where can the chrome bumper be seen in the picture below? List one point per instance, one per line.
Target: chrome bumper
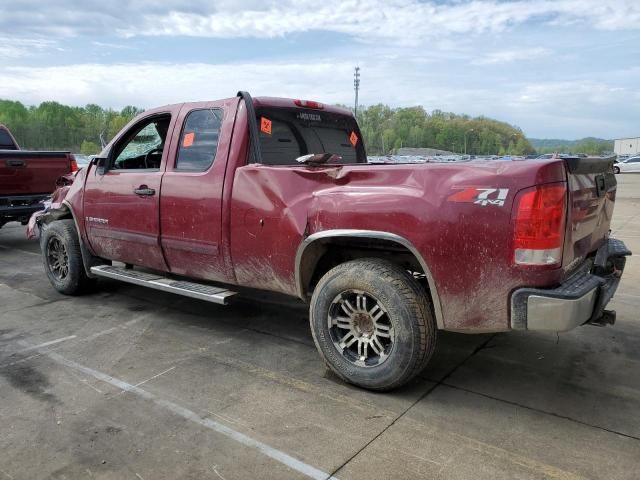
(581, 299)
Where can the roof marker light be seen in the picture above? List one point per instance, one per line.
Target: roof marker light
(309, 104)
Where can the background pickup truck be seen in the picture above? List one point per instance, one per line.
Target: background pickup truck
(27, 178)
(199, 199)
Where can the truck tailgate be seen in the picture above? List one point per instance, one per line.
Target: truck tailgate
(592, 193)
(23, 172)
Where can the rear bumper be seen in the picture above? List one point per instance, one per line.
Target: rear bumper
(581, 299)
(14, 207)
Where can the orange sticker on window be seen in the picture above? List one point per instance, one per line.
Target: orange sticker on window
(265, 125)
(188, 139)
(353, 138)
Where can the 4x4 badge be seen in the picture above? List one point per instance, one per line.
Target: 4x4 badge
(480, 196)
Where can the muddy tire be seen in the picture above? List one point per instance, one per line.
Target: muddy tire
(62, 258)
(372, 323)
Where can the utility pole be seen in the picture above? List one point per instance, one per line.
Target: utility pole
(356, 86)
(465, 140)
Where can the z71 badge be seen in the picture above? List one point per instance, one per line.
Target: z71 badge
(480, 196)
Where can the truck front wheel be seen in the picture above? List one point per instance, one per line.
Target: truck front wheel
(63, 259)
(372, 323)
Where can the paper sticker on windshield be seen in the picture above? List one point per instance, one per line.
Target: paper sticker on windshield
(188, 139)
(480, 196)
(353, 138)
(265, 125)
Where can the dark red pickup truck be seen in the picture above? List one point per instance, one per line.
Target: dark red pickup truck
(27, 178)
(274, 194)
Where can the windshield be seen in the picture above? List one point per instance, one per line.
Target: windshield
(146, 140)
(286, 134)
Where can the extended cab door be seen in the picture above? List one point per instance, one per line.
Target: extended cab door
(192, 192)
(121, 206)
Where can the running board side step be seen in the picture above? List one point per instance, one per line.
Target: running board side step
(181, 287)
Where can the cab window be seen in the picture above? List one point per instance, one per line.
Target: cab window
(199, 140)
(142, 149)
(286, 134)
(6, 142)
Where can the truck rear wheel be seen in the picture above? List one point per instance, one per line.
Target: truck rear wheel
(372, 323)
(63, 259)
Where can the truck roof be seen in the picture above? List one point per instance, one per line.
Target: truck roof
(277, 102)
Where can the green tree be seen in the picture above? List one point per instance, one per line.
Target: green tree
(52, 125)
(89, 148)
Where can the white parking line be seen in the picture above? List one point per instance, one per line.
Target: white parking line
(4, 247)
(279, 456)
(46, 344)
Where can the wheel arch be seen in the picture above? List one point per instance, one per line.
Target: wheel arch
(315, 247)
(64, 212)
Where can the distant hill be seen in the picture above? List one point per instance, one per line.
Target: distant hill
(589, 145)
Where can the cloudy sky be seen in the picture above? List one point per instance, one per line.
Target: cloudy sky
(556, 68)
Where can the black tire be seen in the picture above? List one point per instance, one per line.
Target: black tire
(407, 316)
(616, 169)
(61, 236)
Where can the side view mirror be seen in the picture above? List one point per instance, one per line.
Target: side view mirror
(100, 164)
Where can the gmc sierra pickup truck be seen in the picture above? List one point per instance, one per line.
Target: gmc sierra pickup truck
(27, 178)
(199, 199)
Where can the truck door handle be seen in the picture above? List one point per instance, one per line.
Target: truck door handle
(16, 163)
(144, 191)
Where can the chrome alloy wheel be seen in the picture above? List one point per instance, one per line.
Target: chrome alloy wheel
(360, 328)
(57, 258)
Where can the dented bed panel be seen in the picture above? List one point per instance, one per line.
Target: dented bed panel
(457, 216)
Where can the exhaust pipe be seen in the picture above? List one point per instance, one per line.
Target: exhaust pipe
(608, 317)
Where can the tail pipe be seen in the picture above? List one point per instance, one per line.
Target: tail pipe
(608, 317)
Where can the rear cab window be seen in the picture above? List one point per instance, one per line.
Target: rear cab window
(6, 142)
(288, 133)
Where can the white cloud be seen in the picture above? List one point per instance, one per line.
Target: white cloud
(402, 21)
(405, 21)
(545, 65)
(541, 108)
(510, 56)
(18, 47)
(110, 45)
(152, 84)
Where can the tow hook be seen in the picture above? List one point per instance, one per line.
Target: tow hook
(608, 318)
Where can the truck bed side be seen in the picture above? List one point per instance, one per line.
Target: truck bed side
(24, 173)
(466, 246)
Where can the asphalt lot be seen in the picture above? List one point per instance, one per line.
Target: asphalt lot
(133, 383)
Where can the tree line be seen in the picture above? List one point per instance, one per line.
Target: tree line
(53, 126)
(387, 129)
(589, 145)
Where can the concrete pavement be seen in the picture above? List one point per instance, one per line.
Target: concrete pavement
(133, 383)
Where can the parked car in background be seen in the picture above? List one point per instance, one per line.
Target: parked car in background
(82, 160)
(27, 178)
(628, 165)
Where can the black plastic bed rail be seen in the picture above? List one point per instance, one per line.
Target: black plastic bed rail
(589, 164)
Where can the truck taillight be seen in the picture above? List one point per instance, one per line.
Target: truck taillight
(540, 217)
(74, 165)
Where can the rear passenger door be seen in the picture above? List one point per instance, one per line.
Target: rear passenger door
(191, 199)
